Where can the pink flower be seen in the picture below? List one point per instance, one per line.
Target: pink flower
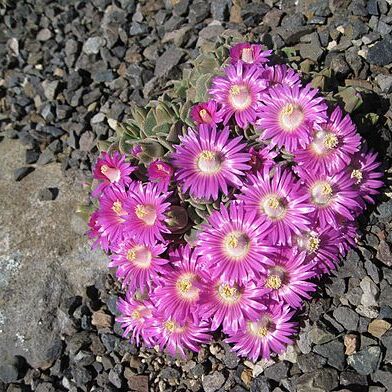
(232, 244)
(145, 210)
(206, 113)
(331, 146)
(269, 333)
(230, 305)
(178, 292)
(138, 264)
(136, 320)
(289, 278)
(280, 202)
(209, 161)
(249, 53)
(281, 75)
(239, 93)
(94, 233)
(175, 336)
(111, 169)
(160, 173)
(262, 160)
(287, 114)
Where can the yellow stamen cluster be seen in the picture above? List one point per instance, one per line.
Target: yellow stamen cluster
(104, 169)
(203, 114)
(131, 255)
(170, 325)
(327, 189)
(184, 285)
(330, 141)
(357, 174)
(227, 292)
(141, 211)
(117, 207)
(313, 243)
(273, 282)
(208, 155)
(232, 241)
(262, 332)
(288, 109)
(235, 89)
(273, 202)
(247, 53)
(136, 315)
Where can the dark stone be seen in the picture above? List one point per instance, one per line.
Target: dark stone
(80, 340)
(109, 341)
(170, 373)
(311, 362)
(326, 379)
(337, 62)
(381, 52)
(46, 156)
(384, 377)
(352, 378)
(334, 353)
(74, 81)
(22, 172)
(198, 11)
(372, 7)
(32, 156)
(81, 376)
(260, 384)
(115, 375)
(220, 9)
(47, 194)
(253, 12)
(346, 317)
(9, 371)
(167, 61)
(365, 361)
(277, 372)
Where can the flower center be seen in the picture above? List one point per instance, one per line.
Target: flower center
(323, 142)
(273, 282)
(291, 117)
(261, 328)
(185, 287)
(313, 243)
(273, 207)
(236, 244)
(205, 116)
(247, 55)
(229, 294)
(146, 213)
(117, 207)
(209, 162)
(140, 256)
(357, 174)
(111, 173)
(136, 315)
(240, 97)
(170, 325)
(321, 193)
(330, 141)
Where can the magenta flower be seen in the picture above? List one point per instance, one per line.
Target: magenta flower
(262, 160)
(281, 75)
(331, 146)
(348, 233)
(145, 210)
(269, 333)
(111, 215)
(138, 264)
(178, 293)
(287, 115)
(160, 173)
(232, 244)
(136, 319)
(209, 161)
(331, 196)
(320, 247)
(175, 336)
(206, 113)
(364, 170)
(289, 278)
(280, 201)
(230, 305)
(239, 93)
(111, 169)
(249, 53)
(94, 233)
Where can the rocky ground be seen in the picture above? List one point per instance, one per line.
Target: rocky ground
(69, 69)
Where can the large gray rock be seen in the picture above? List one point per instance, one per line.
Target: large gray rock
(44, 257)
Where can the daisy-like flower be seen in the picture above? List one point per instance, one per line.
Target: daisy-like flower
(348, 234)
(178, 293)
(239, 93)
(138, 264)
(364, 170)
(111, 216)
(231, 244)
(321, 247)
(262, 160)
(289, 278)
(249, 53)
(145, 210)
(331, 196)
(287, 115)
(270, 333)
(280, 201)
(137, 320)
(281, 75)
(111, 169)
(230, 305)
(209, 161)
(160, 173)
(206, 113)
(332, 146)
(94, 233)
(175, 336)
